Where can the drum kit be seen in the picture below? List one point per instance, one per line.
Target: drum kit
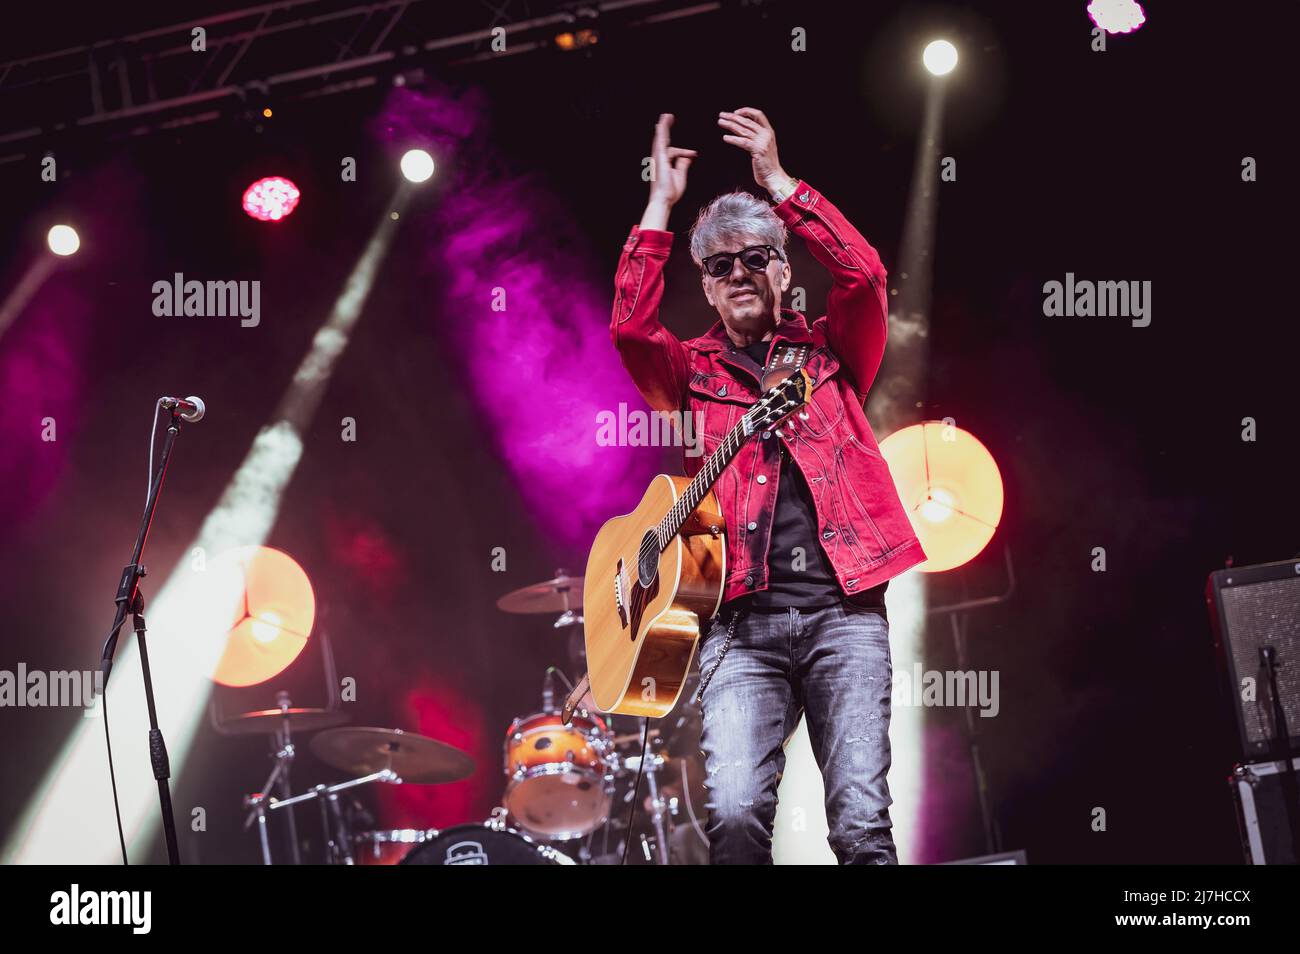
(569, 789)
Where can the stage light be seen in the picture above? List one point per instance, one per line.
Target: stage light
(951, 488)
(576, 40)
(63, 240)
(271, 199)
(417, 165)
(940, 57)
(267, 626)
(1117, 16)
(253, 611)
(938, 506)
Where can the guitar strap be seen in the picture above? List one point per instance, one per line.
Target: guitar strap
(785, 361)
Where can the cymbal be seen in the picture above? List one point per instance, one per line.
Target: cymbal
(270, 721)
(553, 596)
(415, 758)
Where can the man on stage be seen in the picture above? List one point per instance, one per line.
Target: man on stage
(814, 525)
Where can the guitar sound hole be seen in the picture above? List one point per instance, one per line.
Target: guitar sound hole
(648, 560)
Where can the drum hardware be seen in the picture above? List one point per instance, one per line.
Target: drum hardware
(562, 595)
(657, 815)
(649, 765)
(390, 756)
(279, 724)
(338, 836)
(277, 779)
(261, 804)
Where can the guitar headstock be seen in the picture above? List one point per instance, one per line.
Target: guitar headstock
(779, 402)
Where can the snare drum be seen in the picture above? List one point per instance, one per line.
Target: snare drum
(561, 778)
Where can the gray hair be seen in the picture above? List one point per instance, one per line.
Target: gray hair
(736, 213)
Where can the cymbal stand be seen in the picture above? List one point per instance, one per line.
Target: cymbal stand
(283, 752)
(260, 803)
(653, 766)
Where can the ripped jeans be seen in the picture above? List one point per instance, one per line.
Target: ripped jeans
(834, 665)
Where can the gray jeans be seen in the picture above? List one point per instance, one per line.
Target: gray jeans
(833, 664)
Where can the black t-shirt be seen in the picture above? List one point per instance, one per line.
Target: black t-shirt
(799, 573)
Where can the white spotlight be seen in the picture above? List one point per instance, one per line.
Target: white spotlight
(940, 57)
(417, 165)
(1117, 16)
(63, 240)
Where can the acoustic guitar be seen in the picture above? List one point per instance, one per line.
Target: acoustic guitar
(654, 573)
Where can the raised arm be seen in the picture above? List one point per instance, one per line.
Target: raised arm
(857, 310)
(652, 354)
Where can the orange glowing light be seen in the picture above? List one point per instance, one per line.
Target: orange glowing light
(257, 609)
(950, 486)
(580, 38)
(267, 112)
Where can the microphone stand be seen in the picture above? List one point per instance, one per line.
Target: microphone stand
(130, 599)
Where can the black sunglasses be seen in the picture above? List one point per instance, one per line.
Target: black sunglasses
(755, 258)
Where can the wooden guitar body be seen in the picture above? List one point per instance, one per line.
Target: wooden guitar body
(641, 640)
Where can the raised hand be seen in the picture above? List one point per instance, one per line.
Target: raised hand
(749, 129)
(670, 163)
(669, 175)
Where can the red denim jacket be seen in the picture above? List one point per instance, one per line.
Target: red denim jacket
(862, 525)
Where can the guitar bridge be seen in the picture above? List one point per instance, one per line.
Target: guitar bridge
(620, 599)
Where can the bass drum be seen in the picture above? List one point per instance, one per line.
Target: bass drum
(483, 845)
(387, 847)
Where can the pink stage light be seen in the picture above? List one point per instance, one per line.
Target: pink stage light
(271, 199)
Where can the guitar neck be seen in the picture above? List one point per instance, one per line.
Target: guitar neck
(700, 485)
(770, 410)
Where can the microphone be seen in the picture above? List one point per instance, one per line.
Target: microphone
(191, 408)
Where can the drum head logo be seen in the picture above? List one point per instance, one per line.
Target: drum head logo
(466, 853)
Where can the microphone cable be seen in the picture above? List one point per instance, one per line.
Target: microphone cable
(636, 789)
(112, 777)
